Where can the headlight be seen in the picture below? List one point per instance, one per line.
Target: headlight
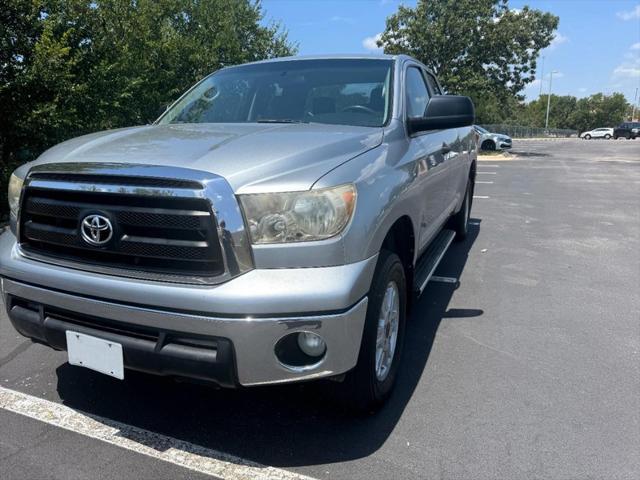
(298, 216)
(15, 189)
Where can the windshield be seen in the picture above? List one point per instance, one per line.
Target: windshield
(479, 129)
(340, 92)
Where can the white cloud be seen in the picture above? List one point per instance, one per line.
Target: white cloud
(630, 68)
(582, 89)
(558, 39)
(339, 19)
(631, 14)
(635, 46)
(370, 43)
(628, 71)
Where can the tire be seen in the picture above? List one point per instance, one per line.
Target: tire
(369, 385)
(627, 136)
(587, 137)
(488, 145)
(460, 221)
(607, 136)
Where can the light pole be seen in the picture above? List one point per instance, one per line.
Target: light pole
(546, 122)
(633, 111)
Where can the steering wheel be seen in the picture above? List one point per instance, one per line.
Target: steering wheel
(359, 108)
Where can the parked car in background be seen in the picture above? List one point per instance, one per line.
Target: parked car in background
(274, 225)
(597, 133)
(492, 141)
(628, 130)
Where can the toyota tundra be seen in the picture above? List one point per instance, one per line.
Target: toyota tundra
(274, 225)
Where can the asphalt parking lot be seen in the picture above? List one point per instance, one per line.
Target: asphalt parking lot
(527, 367)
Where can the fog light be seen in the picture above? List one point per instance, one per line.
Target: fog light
(311, 344)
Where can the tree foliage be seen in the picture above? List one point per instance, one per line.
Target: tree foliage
(582, 114)
(69, 67)
(479, 48)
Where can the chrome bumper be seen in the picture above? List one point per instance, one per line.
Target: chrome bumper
(253, 311)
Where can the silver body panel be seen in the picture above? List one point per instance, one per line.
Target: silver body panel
(421, 177)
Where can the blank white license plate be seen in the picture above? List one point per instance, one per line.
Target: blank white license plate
(97, 354)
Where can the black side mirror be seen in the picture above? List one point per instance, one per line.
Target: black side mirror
(444, 111)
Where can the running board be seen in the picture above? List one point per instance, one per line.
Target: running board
(430, 259)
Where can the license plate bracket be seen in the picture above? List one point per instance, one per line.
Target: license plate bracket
(97, 354)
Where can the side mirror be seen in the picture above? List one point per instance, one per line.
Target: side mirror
(444, 111)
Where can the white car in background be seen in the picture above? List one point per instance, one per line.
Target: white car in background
(492, 141)
(597, 133)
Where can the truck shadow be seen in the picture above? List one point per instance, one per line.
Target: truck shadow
(284, 426)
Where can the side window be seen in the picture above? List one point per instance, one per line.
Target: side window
(433, 84)
(417, 93)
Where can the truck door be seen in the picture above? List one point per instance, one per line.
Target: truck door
(430, 152)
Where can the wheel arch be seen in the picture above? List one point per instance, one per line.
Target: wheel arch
(400, 239)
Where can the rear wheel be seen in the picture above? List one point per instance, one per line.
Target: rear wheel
(370, 383)
(607, 136)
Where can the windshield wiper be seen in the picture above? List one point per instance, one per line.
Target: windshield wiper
(279, 120)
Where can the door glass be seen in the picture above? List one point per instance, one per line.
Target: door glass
(417, 94)
(433, 85)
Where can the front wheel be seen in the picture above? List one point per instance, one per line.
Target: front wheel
(370, 383)
(488, 145)
(587, 137)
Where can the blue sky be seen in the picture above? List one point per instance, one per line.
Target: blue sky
(597, 48)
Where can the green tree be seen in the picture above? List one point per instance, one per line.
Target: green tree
(479, 48)
(599, 110)
(561, 108)
(583, 114)
(69, 67)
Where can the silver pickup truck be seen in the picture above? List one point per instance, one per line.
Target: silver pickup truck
(273, 225)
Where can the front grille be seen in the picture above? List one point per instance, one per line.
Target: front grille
(155, 234)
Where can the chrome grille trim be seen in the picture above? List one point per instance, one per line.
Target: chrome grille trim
(234, 246)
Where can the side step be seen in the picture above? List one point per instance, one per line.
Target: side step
(431, 258)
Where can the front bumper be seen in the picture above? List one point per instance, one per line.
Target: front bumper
(251, 312)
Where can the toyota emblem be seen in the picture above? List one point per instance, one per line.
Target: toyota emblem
(96, 229)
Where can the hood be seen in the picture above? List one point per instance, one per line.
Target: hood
(252, 157)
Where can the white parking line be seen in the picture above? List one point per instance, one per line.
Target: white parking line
(486, 173)
(480, 181)
(480, 196)
(491, 166)
(145, 442)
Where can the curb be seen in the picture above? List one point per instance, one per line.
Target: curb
(544, 138)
